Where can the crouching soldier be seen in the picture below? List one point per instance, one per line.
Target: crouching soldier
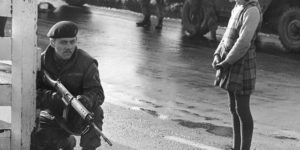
(78, 72)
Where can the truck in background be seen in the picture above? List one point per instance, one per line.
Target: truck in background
(75, 2)
(281, 17)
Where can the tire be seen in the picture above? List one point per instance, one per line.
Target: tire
(75, 2)
(191, 21)
(289, 29)
(2, 26)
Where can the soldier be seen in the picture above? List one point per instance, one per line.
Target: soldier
(78, 72)
(235, 62)
(210, 18)
(198, 17)
(146, 10)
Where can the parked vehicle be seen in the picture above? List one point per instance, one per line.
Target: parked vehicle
(280, 17)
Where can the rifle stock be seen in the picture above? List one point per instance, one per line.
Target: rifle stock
(69, 99)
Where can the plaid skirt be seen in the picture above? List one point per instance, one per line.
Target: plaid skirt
(240, 77)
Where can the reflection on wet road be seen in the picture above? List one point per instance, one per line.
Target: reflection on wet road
(169, 76)
(211, 128)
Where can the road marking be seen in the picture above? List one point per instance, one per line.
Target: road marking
(191, 143)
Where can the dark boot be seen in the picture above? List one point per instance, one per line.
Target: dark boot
(88, 148)
(159, 24)
(145, 23)
(71, 143)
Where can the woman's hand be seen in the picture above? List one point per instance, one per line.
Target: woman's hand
(222, 65)
(216, 61)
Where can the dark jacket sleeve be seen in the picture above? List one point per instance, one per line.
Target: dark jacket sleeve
(92, 87)
(46, 97)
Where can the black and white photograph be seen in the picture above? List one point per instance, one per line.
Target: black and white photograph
(149, 74)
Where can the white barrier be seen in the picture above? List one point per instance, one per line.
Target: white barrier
(17, 81)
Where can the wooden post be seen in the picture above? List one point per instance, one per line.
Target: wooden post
(5, 80)
(5, 42)
(24, 58)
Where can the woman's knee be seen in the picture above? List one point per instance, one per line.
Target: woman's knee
(243, 105)
(232, 109)
(232, 103)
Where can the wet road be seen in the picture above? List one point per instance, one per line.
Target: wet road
(169, 78)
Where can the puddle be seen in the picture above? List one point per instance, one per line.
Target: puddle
(211, 128)
(191, 107)
(197, 115)
(151, 103)
(151, 112)
(179, 103)
(286, 138)
(183, 104)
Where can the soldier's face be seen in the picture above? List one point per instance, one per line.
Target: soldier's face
(64, 47)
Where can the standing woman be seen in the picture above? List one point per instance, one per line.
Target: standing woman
(235, 62)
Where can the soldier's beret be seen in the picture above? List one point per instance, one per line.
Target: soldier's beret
(63, 29)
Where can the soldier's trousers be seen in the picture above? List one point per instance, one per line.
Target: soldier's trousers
(48, 135)
(146, 8)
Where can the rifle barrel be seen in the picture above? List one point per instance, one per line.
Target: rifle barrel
(101, 134)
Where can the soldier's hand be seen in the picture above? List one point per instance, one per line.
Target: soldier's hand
(45, 98)
(55, 96)
(86, 102)
(56, 99)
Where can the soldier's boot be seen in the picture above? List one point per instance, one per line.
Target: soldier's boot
(88, 148)
(146, 22)
(70, 143)
(159, 23)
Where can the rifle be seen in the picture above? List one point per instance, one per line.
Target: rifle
(69, 99)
